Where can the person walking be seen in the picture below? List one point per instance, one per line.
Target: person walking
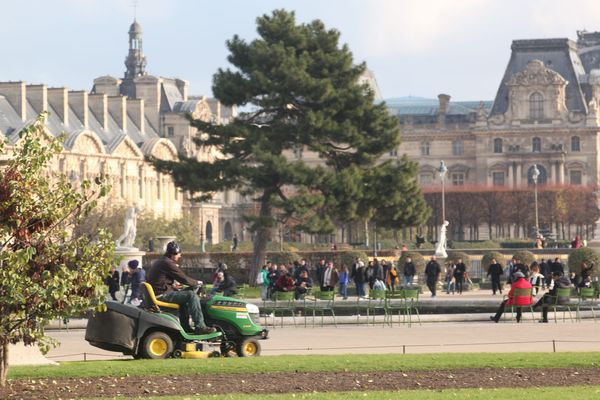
(331, 278)
(359, 278)
(344, 282)
(495, 271)
(409, 271)
(432, 273)
(449, 278)
(112, 281)
(138, 277)
(459, 275)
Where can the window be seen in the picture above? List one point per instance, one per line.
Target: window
(458, 178)
(457, 148)
(498, 178)
(394, 153)
(425, 179)
(425, 148)
(170, 131)
(575, 143)
(575, 177)
(536, 144)
(536, 106)
(497, 145)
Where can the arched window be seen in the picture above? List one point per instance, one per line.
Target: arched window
(497, 145)
(536, 106)
(425, 148)
(575, 143)
(536, 144)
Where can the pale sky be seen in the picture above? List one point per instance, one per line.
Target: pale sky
(414, 47)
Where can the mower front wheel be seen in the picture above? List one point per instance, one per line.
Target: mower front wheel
(248, 348)
(157, 345)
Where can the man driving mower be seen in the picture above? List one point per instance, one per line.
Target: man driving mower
(162, 275)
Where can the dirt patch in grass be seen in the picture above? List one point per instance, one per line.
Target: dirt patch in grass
(206, 384)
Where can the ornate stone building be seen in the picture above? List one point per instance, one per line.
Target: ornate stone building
(112, 128)
(545, 112)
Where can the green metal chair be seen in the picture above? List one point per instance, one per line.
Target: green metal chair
(410, 298)
(562, 293)
(587, 298)
(523, 292)
(283, 302)
(394, 302)
(377, 301)
(321, 302)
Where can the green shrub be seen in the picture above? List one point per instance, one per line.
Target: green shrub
(487, 259)
(584, 254)
(456, 255)
(525, 256)
(282, 257)
(417, 258)
(348, 257)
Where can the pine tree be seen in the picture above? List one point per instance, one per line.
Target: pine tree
(301, 90)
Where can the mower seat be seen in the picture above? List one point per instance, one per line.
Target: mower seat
(150, 297)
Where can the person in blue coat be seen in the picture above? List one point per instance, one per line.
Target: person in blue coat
(138, 276)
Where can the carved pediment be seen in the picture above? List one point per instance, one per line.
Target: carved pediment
(536, 74)
(86, 143)
(127, 149)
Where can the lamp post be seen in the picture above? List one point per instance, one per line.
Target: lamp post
(534, 176)
(443, 170)
(374, 239)
(202, 243)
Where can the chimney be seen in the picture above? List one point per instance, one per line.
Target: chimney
(15, 94)
(117, 107)
(135, 110)
(58, 98)
(37, 95)
(78, 101)
(99, 107)
(444, 103)
(107, 85)
(444, 106)
(183, 88)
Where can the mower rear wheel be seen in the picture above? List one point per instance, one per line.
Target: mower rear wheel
(248, 348)
(157, 345)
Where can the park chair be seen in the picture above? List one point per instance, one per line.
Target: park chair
(283, 302)
(410, 303)
(523, 292)
(321, 302)
(587, 298)
(556, 304)
(394, 302)
(596, 286)
(376, 301)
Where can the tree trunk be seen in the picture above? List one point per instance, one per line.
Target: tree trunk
(261, 238)
(3, 363)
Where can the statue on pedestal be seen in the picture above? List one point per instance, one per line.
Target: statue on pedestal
(440, 249)
(127, 239)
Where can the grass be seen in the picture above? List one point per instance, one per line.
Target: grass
(563, 393)
(346, 363)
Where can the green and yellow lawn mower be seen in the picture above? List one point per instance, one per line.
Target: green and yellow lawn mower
(153, 330)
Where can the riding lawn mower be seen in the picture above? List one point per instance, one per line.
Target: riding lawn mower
(153, 329)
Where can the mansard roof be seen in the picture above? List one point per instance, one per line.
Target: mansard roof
(558, 55)
(416, 106)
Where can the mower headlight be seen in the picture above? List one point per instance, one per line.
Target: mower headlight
(252, 309)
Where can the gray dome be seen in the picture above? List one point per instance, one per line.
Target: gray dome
(135, 28)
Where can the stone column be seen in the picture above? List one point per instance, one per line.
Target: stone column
(561, 172)
(511, 176)
(519, 173)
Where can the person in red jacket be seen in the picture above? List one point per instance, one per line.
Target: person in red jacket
(521, 283)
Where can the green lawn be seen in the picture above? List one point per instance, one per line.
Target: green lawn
(387, 362)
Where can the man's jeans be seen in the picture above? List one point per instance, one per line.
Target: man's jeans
(408, 279)
(189, 304)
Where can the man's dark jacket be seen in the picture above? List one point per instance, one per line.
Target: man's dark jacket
(162, 274)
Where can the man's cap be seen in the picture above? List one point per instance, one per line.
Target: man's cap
(133, 264)
(519, 274)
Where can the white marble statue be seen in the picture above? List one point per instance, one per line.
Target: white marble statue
(129, 228)
(440, 249)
